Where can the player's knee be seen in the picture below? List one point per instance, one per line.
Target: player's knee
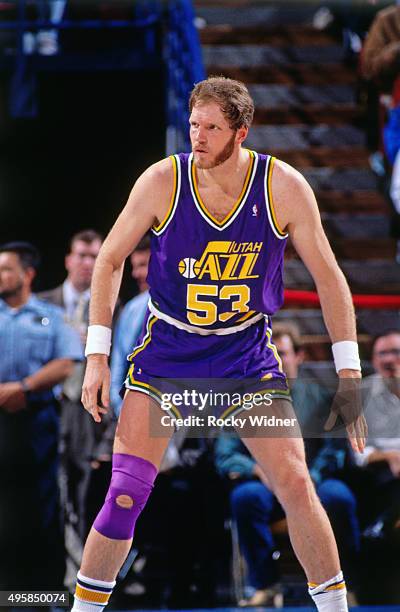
(131, 484)
(124, 501)
(295, 488)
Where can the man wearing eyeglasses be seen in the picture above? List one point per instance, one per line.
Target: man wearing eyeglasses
(382, 403)
(381, 458)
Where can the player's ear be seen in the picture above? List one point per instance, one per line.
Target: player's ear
(241, 134)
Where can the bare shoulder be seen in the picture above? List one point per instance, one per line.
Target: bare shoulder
(292, 195)
(158, 176)
(158, 183)
(161, 171)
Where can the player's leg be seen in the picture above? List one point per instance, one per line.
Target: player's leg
(283, 461)
(136, 459)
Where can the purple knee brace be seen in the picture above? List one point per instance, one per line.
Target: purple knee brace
(131, 484)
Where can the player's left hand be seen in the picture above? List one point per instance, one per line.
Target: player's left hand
(347, 404)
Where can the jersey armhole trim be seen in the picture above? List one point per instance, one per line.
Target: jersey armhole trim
(158, 229)
(279, 233)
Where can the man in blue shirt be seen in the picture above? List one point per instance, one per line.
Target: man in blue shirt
(38, 353)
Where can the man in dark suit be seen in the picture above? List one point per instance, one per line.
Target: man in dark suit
(79, 433)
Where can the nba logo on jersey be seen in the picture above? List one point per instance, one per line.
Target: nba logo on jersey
(255, 210)
(186, 267)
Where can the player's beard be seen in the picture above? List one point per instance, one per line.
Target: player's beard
(221, 157)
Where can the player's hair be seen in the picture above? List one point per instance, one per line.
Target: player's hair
(28, 254)
(291, 330)
(232, 97)
(87, 236)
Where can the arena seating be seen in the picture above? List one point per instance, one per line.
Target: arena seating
(307, 115)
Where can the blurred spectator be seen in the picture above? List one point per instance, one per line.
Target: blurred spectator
(79, 433)
(130, 322)
(38, 351)
(380, 66)
(254, 506)
(376, 481)
(381, 52)
(381, 456)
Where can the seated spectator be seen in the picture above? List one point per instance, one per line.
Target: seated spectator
(254, 505)
(38, 353)
(381, 457)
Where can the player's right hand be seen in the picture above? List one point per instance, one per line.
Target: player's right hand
(347, 404)
(96, 386)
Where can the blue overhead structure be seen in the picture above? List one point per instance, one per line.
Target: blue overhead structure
(162, 33)
(184, 64)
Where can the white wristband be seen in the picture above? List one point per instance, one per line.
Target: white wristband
(98, 340)
(345, 355)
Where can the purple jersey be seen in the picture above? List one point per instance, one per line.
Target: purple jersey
(215, 276)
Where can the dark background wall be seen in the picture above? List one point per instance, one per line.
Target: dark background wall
(73, 166)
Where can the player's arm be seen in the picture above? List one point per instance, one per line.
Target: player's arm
(297, 212)
(147, 204)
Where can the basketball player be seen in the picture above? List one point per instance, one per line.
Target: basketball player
(220, 219)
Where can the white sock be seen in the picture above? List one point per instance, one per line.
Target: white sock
(91, 595)
(330, 596)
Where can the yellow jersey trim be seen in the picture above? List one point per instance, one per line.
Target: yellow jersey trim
(270, 202)
(246, 316)
(146, 340)
(157, 229)
(237, 204)
(153, 392)
(273, 348)
(277, 393)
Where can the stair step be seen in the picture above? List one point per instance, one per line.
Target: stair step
(310, 114)
(248, 55)
(281, 137)
(251, 14)
(268, 96)
(380, 277)
(357, 248)
(342, 178)
(289, 74)
(278, 35)
(310, 320)
(304, 104)
(356, 201)
(355, 226)
(338, 157)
